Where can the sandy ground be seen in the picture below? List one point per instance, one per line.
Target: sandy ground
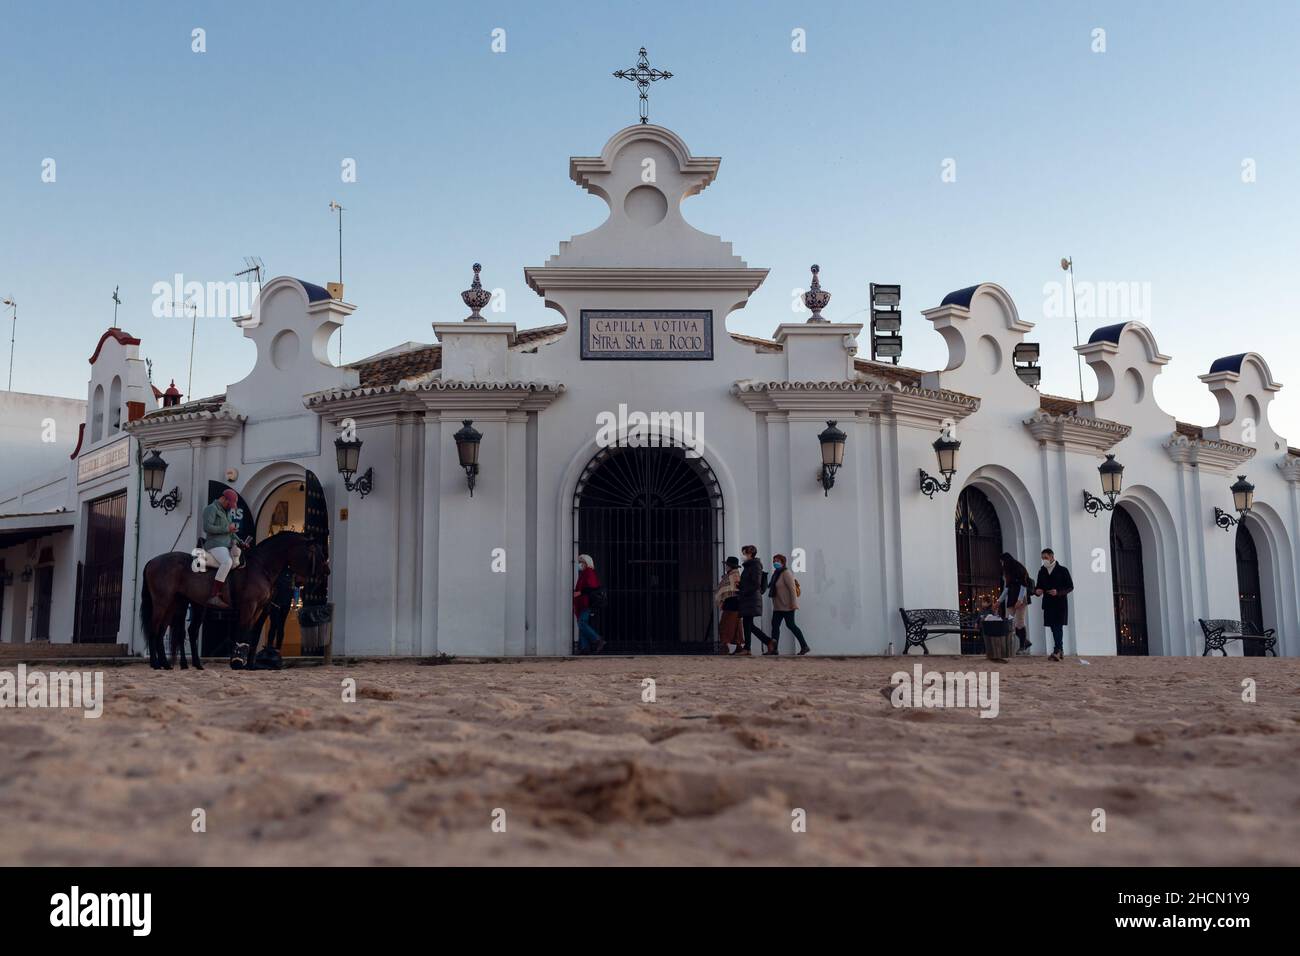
(586, 772)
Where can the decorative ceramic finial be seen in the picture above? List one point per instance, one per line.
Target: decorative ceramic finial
(476, 297)
(815, 299)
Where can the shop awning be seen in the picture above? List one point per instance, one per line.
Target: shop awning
(17, 528)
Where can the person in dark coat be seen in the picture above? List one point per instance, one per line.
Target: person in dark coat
(1015, 599)
(1053, 584)
(753, 582)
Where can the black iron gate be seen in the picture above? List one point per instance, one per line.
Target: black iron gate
(101, 601)
(651, 519)
(1252, 607)
(1128, 585)
(979, 548)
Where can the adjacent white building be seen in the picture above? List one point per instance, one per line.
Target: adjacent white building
(421, 566)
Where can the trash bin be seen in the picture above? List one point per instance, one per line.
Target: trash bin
(997, 639)
(316, 624)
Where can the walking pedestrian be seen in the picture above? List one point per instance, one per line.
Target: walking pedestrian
(584, 591)
(784, 591)
(727, 597)
(753, 582)
(1053, 584)
(1015, 598)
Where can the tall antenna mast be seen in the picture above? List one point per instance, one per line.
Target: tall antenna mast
(1067, 265)
(338, 208)
(13, 331)
(189, 306)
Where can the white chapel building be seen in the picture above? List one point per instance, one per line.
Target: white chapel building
(567, 463)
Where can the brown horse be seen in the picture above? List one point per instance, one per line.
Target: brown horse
(170, 584)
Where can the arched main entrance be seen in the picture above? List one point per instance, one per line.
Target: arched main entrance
(651, 519)
(1248, 587)
(979, 546)
(1128, 585)
(285, 509)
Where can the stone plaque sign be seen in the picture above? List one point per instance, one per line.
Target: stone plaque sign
(647, 334)
(101, 461)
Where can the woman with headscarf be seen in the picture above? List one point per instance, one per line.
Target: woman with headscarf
(589, 642)
(727, 597)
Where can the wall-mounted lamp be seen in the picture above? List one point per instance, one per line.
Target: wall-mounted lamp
(1112, 481)
(7, 578)
(155, 472)
(468, 439)
(1025, 358)
(348, 457)
(832, 441)
(1243, 499)
(945, 451)
(27, 573)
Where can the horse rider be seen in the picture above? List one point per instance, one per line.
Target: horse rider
(220, 543)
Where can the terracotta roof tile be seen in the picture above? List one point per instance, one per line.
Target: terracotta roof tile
(890, 373)
(1057, 405)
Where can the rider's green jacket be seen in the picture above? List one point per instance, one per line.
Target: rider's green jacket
(216, 526)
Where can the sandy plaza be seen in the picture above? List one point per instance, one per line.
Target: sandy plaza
(419, 767)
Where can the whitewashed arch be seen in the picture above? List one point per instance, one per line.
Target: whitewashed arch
(1021, 530)
(1166, 607)
(563, 563)
(1276, 574)
(257, 489)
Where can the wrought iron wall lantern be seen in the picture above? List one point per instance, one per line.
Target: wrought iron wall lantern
(1112, 481)
(468, 439)
(1243, 499)
(945, 450)
(832, 441)
(7, 578)
(347, 452)
(155, 474)
(27, 574)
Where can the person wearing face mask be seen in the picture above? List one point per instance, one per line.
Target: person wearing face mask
(1053, 584)
(784, 592)
(587, 585)
(753, 581)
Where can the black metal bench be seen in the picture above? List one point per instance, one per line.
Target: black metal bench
(921, 624)
(1220, 631)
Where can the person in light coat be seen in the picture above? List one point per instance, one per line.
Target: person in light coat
(784, 591)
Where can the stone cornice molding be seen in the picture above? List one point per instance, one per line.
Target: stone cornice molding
(546, 279)
(223, 422)
(1088, 435)
(922, 407)
(423, 393)
(1213, 453)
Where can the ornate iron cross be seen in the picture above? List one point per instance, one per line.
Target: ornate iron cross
(642, 75)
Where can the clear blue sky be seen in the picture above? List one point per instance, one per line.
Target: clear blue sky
(1130, 160)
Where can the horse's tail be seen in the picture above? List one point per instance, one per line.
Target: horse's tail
(146, 606)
